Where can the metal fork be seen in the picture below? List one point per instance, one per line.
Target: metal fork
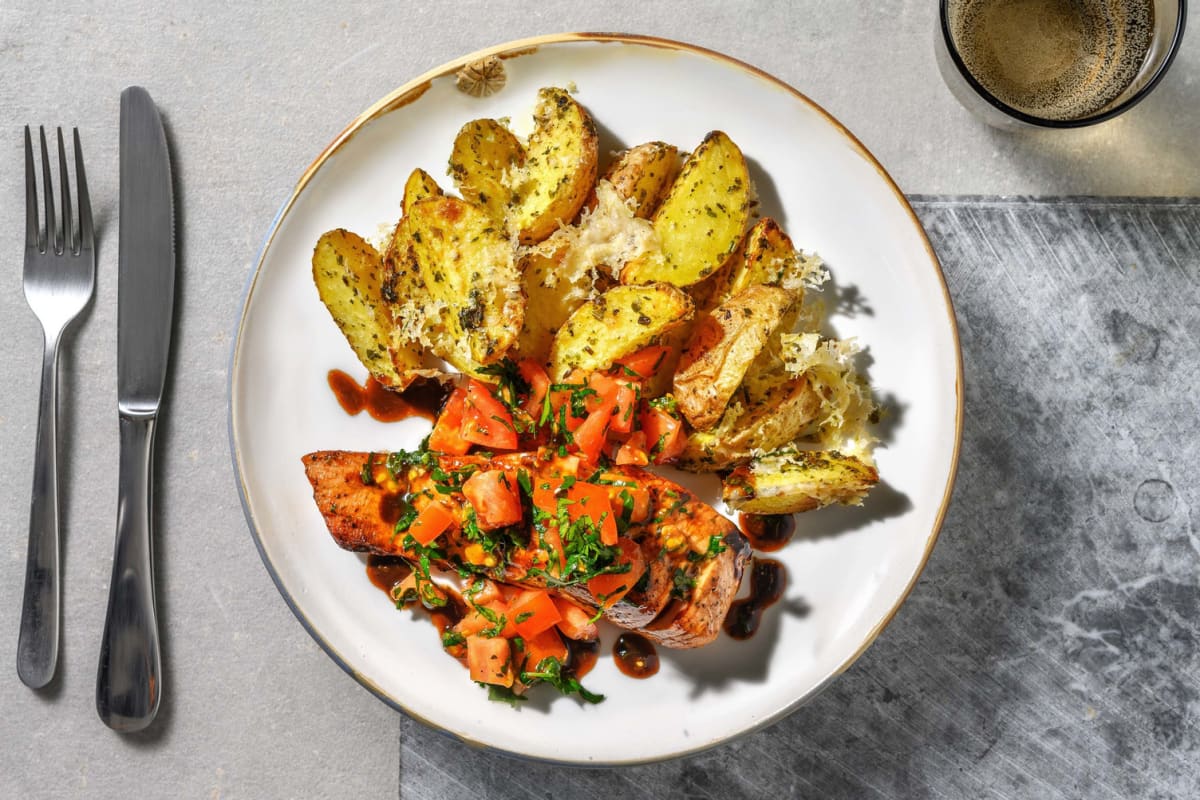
(60, 276)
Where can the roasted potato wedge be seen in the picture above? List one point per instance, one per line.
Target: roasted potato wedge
(348, 271)
(618, 322)
(402, 289)
(560, 167)
(401, 278)
(468, 267)
(766, 256)
(702, 219)
(784, 411)
(420, 184)
(552, 298)
(790, 481)
(643, 175)
(485, 157)
(723, 345)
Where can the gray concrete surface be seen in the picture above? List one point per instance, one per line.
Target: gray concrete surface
(254, 709)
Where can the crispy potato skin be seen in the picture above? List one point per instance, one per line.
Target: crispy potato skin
(783, 413)
(766, 256)
(643, 175)
(550, 302)
(348, 272)
(561, 160)
(360, 518)
(484, 155)
(723, 346)
(618, 322)
(466, 263)
(702, 219)
(401, 280)
(420, 185)
(798, 480)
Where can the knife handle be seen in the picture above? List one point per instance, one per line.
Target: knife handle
(129, 680)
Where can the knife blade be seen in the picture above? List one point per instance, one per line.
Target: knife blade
(129, 678)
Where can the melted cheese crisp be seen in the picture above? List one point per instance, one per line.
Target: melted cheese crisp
(606, 238)
(846, 405)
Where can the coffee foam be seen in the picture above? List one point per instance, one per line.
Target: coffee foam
(1056, 59)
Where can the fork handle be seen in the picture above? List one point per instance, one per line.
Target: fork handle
(37, 645)
(129, 680)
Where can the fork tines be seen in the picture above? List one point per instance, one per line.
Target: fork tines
(59, 234)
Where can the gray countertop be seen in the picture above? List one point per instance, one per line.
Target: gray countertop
(1050, 648)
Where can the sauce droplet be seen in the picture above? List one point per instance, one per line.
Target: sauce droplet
(768, 532)
(635, 655)
(768, 578)
(421, 399)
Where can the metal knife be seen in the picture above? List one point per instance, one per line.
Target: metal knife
(129, 680)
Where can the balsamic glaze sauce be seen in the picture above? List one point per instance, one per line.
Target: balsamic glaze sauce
(635, 655)
(768, 532)
(423, 398)
(768, 579)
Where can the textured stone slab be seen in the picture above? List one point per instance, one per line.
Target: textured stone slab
(1050, 648)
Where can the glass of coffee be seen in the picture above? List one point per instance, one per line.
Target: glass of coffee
(1056, 63)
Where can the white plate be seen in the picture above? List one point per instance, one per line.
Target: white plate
(848, 569)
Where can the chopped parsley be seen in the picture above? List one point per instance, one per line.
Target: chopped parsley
(550, 670)
(682, 584)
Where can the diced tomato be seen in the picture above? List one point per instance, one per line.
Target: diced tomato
(490, 660)
(634, 450)
(575, 623)
(592, 501)
(494, 496)
(486, 421)
(628, 393)
(475, 620)
(645, 362)
(431, 522)
(664, 434)
(539, 384)
(533, 612)
(447, 431)
(561, 398)
(605, 388)
(554, 545)
(612, 586)
(620, 395)
(546, 500)
(544, 495)
(589, 436)
(587, 499)
(637, 498)
(546, 644)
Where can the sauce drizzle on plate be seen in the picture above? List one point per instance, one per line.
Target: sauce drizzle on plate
(768, 579)
(422, 398)
(768, 532)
